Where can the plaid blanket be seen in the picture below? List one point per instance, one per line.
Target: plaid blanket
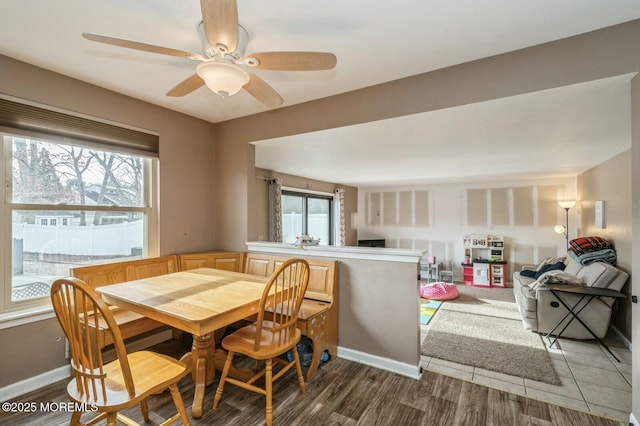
(583, 245)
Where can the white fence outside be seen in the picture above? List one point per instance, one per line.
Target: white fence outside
(119, 239)
(103, 240)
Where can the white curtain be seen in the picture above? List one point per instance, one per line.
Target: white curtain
(275, 210)
(339, 204)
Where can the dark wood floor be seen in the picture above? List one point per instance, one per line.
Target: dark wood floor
(342, 393)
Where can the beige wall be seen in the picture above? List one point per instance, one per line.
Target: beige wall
(187, 203)
(30, 350)
(610, 182)
(382, 331)
(235, 192)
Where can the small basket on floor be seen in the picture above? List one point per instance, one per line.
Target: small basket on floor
(438, 291)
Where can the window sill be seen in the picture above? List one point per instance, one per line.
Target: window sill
(25, 316)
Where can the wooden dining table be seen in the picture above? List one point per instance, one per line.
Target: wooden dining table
(198, 301)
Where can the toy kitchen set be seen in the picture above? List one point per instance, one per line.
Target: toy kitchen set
(484, 264)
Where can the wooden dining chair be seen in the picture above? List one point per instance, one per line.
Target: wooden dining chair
(272, 335)
(109, 387)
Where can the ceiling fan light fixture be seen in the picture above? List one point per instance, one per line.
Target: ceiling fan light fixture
(223, 78)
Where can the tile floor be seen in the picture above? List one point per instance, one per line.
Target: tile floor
(592, 380)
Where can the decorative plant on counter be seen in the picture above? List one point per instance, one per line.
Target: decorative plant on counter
(306, 240)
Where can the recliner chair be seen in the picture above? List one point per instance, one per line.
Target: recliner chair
(540, 310)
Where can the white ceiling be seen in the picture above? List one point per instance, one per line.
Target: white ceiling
(551, 133)
(375, 41)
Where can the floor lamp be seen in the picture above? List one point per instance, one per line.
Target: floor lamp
(566, 205)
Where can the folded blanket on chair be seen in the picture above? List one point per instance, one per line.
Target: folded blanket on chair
(606, 255)
(583, 245)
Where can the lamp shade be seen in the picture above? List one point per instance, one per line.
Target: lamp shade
(223, 78)
(567, 204)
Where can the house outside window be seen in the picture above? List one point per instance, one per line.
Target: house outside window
(307, 213)
(102, 198)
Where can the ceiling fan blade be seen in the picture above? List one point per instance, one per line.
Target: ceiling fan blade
(141, 46)
(187, 86)
(293, 61)
(260, 90)
(220, 19)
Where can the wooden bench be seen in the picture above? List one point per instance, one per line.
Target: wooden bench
(318, 316)
(229, 261)
(131, 324)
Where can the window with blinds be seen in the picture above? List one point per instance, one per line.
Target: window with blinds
(77, 192)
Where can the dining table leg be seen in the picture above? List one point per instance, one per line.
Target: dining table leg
(202, 369)
(203, 360)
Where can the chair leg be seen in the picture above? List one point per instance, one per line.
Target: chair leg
(296, 359)
(145, 410)
(111, 418)
(75, 418)
(223, 377)
(179, 403)
(268, 379)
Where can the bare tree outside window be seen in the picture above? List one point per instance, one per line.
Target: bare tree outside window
(71, 205)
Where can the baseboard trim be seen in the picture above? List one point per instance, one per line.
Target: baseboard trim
(31, 384)
(621, 336)
(387, 364)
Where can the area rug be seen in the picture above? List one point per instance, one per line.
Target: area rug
(428, 309)
(482, 328)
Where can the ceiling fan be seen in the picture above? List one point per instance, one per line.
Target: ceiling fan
(223, 65)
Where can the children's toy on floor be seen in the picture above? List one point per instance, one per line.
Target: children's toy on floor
(438, 291)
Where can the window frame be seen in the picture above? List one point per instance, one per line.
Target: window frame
(14, 313)
(306, 194)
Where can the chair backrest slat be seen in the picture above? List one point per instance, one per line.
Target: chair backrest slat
(281, 300)
(77, 305)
